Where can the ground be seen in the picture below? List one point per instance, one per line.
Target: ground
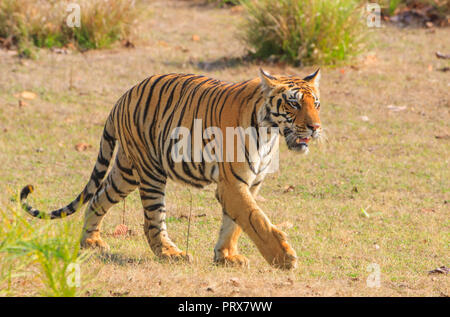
(375, 194)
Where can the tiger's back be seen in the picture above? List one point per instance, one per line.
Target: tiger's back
(152, 111)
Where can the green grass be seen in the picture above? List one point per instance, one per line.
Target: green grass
(304, 32)
(48, 253)
(101, 24)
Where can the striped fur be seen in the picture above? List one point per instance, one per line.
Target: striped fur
(140, 127)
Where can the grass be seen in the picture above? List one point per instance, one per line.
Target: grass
(44, 23)
(304, 32)
(50, 252)
(394, 160)
(390, 6)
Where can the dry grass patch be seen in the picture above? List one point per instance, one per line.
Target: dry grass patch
(45, 23)
(304, 32)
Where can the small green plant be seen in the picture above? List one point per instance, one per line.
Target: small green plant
(50, 249)
(304, 31)
(44, 23)
(391, 5)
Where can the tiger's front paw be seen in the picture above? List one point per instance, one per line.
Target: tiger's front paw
(286, 261)
(236, 260)
(283, 256)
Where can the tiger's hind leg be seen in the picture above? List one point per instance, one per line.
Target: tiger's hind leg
(152, 196)
(121, 181)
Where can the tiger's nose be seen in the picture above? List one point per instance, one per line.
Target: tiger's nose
(313, 126)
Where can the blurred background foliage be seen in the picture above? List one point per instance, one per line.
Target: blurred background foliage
(301, 32)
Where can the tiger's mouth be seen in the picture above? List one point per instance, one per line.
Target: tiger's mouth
(299, 145)
(296, 143)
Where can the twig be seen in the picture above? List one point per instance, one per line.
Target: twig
(189, 221)
(443, 56)
(123, 214)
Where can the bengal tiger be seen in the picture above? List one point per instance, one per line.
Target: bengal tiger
(139, 127)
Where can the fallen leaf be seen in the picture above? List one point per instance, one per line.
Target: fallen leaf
(364, 118)
(235, 281)
(396, 108)
(443, 56)
(58, 50)
(182, 48)
(162, 43)
(195, 38)
(289, 282)
(427, 210)
(370, 59)
(120, 230)
(440, 270)
(442, 137)
(26, 95)
(288, 188)
(80, 147)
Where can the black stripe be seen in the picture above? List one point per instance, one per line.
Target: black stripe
(112, 201)
(102, 160)
(123, 168)
(114, 186)
(130, 181)
(236, 175)
(154, 207)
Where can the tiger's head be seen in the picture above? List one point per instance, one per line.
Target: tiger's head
(292, 104)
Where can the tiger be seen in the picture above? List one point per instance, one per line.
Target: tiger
(138, 131)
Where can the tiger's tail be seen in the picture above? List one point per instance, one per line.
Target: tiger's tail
(107, 145)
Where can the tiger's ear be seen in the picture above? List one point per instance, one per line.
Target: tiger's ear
(267, 80)
(314, 78)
